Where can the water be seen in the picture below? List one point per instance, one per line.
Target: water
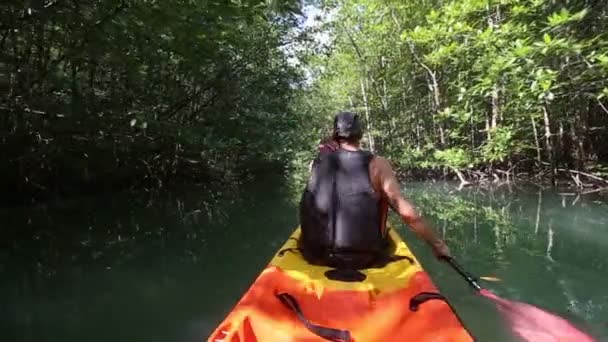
(121, 268)
(547, 248)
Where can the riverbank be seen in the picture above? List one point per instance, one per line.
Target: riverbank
(543, 176)
(38, 167)
(540, 176)
(50, 164)
(66, 161)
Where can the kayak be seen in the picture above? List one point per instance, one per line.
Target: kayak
(294, 301)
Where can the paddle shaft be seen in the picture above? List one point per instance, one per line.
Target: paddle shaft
(469, 278)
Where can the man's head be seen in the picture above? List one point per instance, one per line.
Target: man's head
(347, 127)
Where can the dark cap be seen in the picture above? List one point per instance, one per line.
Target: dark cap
(347, 126)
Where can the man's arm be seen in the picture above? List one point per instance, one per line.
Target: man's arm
(391, 189)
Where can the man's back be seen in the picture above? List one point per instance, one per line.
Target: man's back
(321, 205)
(340, 211)
(381, 176)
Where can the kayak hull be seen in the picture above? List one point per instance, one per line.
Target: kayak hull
(374, 309)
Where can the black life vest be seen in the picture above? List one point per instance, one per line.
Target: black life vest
(340, 212)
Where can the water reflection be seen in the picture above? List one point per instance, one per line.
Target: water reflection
(126, 268)
(547, 247)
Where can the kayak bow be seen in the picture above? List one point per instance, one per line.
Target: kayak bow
(292, 300)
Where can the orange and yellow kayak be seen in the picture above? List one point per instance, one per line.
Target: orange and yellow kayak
(294, 301)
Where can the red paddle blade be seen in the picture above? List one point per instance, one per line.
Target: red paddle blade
(534, 324)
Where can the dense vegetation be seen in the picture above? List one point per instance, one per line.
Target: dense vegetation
(474, 88)
(125, 93)
(122, 93)
(108, 95)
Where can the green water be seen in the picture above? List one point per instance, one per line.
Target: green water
(123, 268)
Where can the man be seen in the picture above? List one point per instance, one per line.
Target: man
(344, 207)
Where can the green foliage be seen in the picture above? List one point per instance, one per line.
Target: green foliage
(500, 147)
(206, 81)
(466, 84)
(408, 157)
(453, 157)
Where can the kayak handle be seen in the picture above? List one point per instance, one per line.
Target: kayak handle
(467, 276)
(331, 334)
(423, 297)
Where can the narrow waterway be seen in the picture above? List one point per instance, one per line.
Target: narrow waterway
(124, 268)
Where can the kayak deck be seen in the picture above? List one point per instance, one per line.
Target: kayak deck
(374, 309)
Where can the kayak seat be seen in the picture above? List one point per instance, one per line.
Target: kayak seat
(349, 260)
(345, 275)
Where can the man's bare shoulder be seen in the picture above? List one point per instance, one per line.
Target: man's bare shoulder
(382, 165)
(381, 173)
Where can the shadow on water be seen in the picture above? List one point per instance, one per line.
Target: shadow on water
(124, 268)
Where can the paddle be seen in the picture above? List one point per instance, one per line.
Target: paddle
(527, 321)
(490, 279)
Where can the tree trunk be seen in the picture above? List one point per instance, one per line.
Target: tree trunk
(488, 131)
(433, 85)
(418, 139)
(495, 107)
(404, 109)
(578, 144)
(370, 137)
(549, 143)
(15, 86)
(3, 38)
(385, 109)
(352, 103)
(561, 146)
(75, 93)
(493, 22)
(536, 142)
(383, 95)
